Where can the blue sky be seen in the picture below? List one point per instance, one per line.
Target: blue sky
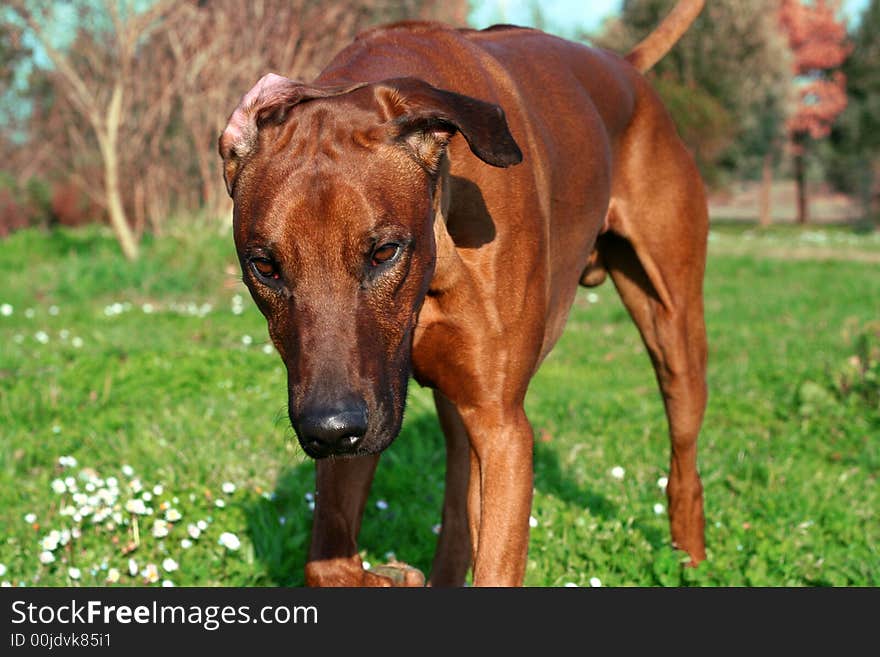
(566, 17)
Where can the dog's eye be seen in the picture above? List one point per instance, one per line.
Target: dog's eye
(385, 253)
(265, 268)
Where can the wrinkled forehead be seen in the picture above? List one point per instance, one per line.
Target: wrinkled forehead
(330, 161)
(320, 139)
(320, 205)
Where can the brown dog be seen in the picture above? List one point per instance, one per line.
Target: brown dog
(383, 233)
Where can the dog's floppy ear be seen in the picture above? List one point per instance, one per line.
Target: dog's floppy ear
(268, 101)
(425, 118)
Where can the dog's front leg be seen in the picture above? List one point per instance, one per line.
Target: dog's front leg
(502, 441)
(342, 486)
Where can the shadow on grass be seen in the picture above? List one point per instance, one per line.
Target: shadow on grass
(552, 478)
(404, 505)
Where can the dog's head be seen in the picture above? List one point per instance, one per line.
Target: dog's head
(333, 191)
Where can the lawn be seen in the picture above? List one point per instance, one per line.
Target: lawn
(145, 439)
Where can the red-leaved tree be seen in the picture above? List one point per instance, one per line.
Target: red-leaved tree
(819, 46)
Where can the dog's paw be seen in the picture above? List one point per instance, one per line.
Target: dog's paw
(396, 573)
(349, 572)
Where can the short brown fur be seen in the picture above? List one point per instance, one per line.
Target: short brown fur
(497, 215)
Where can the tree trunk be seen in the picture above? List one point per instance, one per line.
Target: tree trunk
(764, 217)
(109, 153)
(801, 183)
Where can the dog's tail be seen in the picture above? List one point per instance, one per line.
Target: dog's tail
(651, 49)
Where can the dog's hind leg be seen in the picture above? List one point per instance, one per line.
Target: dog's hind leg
(655, 252)
(454, 551)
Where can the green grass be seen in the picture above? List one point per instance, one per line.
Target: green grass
(789, 456)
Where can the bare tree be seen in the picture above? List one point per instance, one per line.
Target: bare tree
(96, 82)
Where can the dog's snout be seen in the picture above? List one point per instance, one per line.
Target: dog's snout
(334, 429)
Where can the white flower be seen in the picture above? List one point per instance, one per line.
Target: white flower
(592, 297)
(113, 575)
(160, 528)
(51, 541)
(219, 504)
(659, 508)
(2, 569)
(46, 557)
(6, 310)
(228, 487)
(170, 565)
(77, 342)
(136, 506)
(127, 470)
(229, 541)
(172, 515)
(570, 585)
(136, 485)
(436, 528)
(29, 313)
(595, 582)
(167, 583)
(150, 573)
(63, 334)
(53, 310)
(147, 496)
(112, 482)
(74, 573)
(186, 544)
(367, 565)
(30, 519)
(193, 531)
(246, 340)
(381, 504)
(533, 521)
(41, 336)
(268, 349)
(58, 486)
(617, 472)
(67, 461)
(201, 524)
(132, 567)
(158, 489)
(147, 308)
(662, 482)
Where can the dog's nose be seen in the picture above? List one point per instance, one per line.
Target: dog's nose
(332, 430)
